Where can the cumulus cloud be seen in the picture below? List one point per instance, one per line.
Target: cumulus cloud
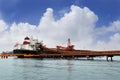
(79, 24)
(112, 35)
(3, 26)
(113, 27)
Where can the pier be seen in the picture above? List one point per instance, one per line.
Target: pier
(31, 48)
(89, 55)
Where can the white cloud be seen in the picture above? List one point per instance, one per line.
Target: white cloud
(113, 27)
(77, 24)
(112, 44)
(113, 39)
(3, 26)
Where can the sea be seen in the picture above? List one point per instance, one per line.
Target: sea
(59, 69)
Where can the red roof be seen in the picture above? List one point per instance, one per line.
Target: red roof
(27, 38)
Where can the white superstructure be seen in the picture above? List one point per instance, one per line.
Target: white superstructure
(28, 44)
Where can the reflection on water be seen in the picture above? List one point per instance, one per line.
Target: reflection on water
(69, 64)
(35, 69)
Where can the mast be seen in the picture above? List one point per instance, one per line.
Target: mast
(69, 42)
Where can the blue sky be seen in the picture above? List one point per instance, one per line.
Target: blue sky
(31, 10)
(91, 24)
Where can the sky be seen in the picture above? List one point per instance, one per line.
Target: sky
(90, 24)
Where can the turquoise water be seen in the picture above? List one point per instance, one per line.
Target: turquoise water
(35, 69)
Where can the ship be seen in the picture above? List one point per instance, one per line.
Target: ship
(34, 46)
